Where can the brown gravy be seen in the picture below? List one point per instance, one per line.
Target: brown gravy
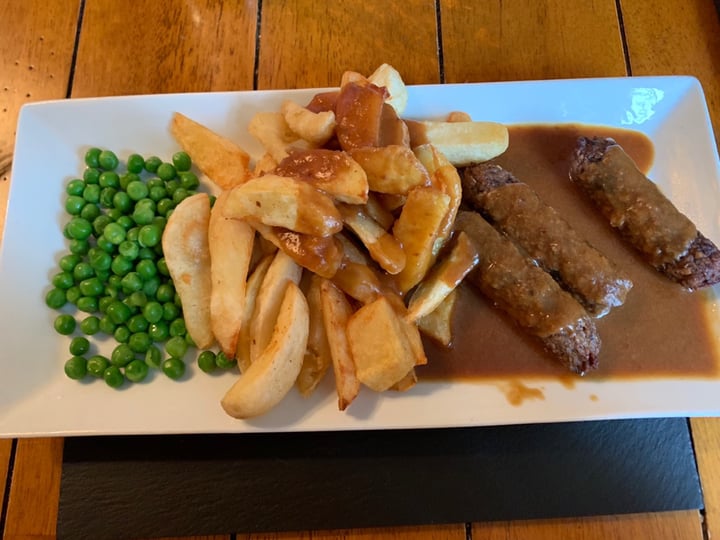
(661, 330)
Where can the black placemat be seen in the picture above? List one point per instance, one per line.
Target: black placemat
(123, 487)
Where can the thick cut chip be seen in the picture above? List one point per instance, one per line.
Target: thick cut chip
(316, 128)
(273, 132)
(282, 271)
(378, 212)
(321, 255)
(459, 116)
(252, 289)
(388, 77)
(444, 278)
(268, 380)
(438, 323)
(336, 311)
(358, 281)
(406, 383)
(331, 171)
(324, 101)
(358, 113)
(264, 165)
(187, 254)
(417, 229)
(284, 202)
(231, 249)
(380, 348)
(382, 246)
(448, 180)
(391, 169)
(221, 160)
(317, 357)
(462, 142)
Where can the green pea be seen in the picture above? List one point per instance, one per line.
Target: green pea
(90, 212)
(99, 224)
(152, 163)
(105, 301)
(189, 340)
(102, 275)
(143, 215)
(170, 311)
(122, 355)
(75, 187)
(126, 178)
(166, 171)
(90, 325)
(189, 181)
(74, 205)
(56, 298)
(164, 206)
(153, 311)
(109, 179)
(64, 324)
(157, 192)
(126, 222)
(173, 368)
(132, 282)
(79, 228)
(106, 197)
(146, 253)
(146, 269)
(91, 193)
(176, 347)
(122, 202)
(137, 298)
(165, 293)
(113, 377)
(79, 346)
(153, 357)
(96, 365)
(79, 247)
(118, 312)
(73, 294)
(91, 287)
(108, 160)
(140, 342)
(135, 163)
(180, 195)
(177, 328)
(160, 221)
(107, 326)
(138, 323)
(76, 368)
(137, 190)
(114, 233)
(99, 259)
(114, 214)
(91, 175)
(206, 361)
(82, 271)
(68, 262)
(181, 161)
(132, 234)
(63, 280)
(150, 286)
(159, 331)
(172, 186)
(150, 235)
(121, 265)
(92, 157)
(136, 370)
(223, 362)
(122, 334)
(162, 267)
(88, 304)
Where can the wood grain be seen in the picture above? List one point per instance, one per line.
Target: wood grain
(526, 39)
(684, 525)
(682, 38)
(305, 43)
(5, 451)
(35, 489)
(162, 47)
(34, 64)
(430, 532)
(706, 438)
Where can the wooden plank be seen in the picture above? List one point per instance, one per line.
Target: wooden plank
(684, 525)
(163, 47)
(527, 40)
(5, 451)
(706, 438)
(682, 38)
(34, 64)
(35, 489)
(429, 532)
(305, 43)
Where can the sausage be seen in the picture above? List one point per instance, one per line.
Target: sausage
(636, 207)
(530, 296)
(515, 209)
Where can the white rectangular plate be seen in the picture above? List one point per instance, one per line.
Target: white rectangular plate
(37, 399)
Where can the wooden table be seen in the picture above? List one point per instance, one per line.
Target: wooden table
(79, 48)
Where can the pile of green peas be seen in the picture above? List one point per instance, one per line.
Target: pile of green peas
(115, 275)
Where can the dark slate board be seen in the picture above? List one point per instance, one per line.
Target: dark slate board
(148, 486)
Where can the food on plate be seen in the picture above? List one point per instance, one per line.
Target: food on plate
(254, 282)
(635, 206)
(187, 254)
(386, 76)
(315, 127)
(221, 160)
(274, 372)
(530, 296)
(438, 323)
(463, 143)
(391, 169)
(317, 357)
(358, 111)
(231, 246)
(273, 132)
(515, 208)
